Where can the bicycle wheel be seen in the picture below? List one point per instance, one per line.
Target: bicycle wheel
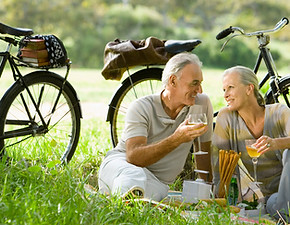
(284, 96)
(139, 84)
(22, 133)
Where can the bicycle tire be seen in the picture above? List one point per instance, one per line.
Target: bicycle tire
(139, 84)
(60, 140)
(284, 97)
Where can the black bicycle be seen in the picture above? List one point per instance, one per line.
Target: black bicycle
(278, 86)
(40, 112)
(147, 81)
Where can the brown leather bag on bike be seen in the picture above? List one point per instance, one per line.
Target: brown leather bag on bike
(121, 55)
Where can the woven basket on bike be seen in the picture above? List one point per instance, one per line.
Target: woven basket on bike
(43, 51)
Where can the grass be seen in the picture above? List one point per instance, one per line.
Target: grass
(44, 193)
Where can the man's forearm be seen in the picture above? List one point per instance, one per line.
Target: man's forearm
(145, 155)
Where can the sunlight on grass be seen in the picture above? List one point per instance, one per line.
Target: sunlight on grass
(56, 195)
(33, 192)
(43, 192)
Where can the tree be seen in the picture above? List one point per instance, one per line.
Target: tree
(85, 26)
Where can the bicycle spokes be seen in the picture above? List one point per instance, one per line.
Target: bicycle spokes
(24, 128)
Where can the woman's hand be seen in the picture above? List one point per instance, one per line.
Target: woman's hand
(264, 144)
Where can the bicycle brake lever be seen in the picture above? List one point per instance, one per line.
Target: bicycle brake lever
(227, 41)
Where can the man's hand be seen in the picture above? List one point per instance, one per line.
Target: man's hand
(187, 132)
(141, 154)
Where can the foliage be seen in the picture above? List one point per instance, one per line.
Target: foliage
(86, 26)
(238, 53)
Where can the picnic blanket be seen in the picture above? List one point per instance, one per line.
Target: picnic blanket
(174, 201)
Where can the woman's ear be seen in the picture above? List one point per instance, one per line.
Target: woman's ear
(250, 89)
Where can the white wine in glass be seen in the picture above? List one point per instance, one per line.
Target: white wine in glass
(254, 154)
(194, 119)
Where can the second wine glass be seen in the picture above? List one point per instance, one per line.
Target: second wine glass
(254, 154)
(194, 119)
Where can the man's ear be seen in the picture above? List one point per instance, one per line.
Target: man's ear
(172, 80)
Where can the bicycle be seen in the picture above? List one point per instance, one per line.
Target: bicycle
(278, 86)
(147, 81)
(40, 112)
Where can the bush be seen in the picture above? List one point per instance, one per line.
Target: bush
(235, 53)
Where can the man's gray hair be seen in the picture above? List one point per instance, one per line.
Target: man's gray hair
(177, 63)
(247, 76)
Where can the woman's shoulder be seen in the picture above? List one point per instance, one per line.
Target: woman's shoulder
(277, 107)
(225, 112)
(227, 116)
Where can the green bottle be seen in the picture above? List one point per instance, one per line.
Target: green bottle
(233, 191)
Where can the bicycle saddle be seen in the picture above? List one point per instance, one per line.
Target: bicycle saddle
(5, 29)
(177, 46)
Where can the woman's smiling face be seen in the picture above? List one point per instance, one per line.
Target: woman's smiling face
(235, 93)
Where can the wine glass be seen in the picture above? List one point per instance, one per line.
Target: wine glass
(254, 154)
(194, 119)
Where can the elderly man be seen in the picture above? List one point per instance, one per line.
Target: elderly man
(157, 139)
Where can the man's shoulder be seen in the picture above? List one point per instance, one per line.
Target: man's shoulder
(202, 96)
(202, 99)
(144, 103)
(148, 99)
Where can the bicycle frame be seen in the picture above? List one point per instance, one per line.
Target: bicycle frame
(266, 56)
(40, 112)
(32, 128)
(28, 130)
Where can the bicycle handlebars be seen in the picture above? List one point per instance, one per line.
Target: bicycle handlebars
(224, 33)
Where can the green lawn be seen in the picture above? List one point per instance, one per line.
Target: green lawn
(33, 193)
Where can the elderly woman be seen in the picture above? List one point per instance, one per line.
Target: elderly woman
(247, 117)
